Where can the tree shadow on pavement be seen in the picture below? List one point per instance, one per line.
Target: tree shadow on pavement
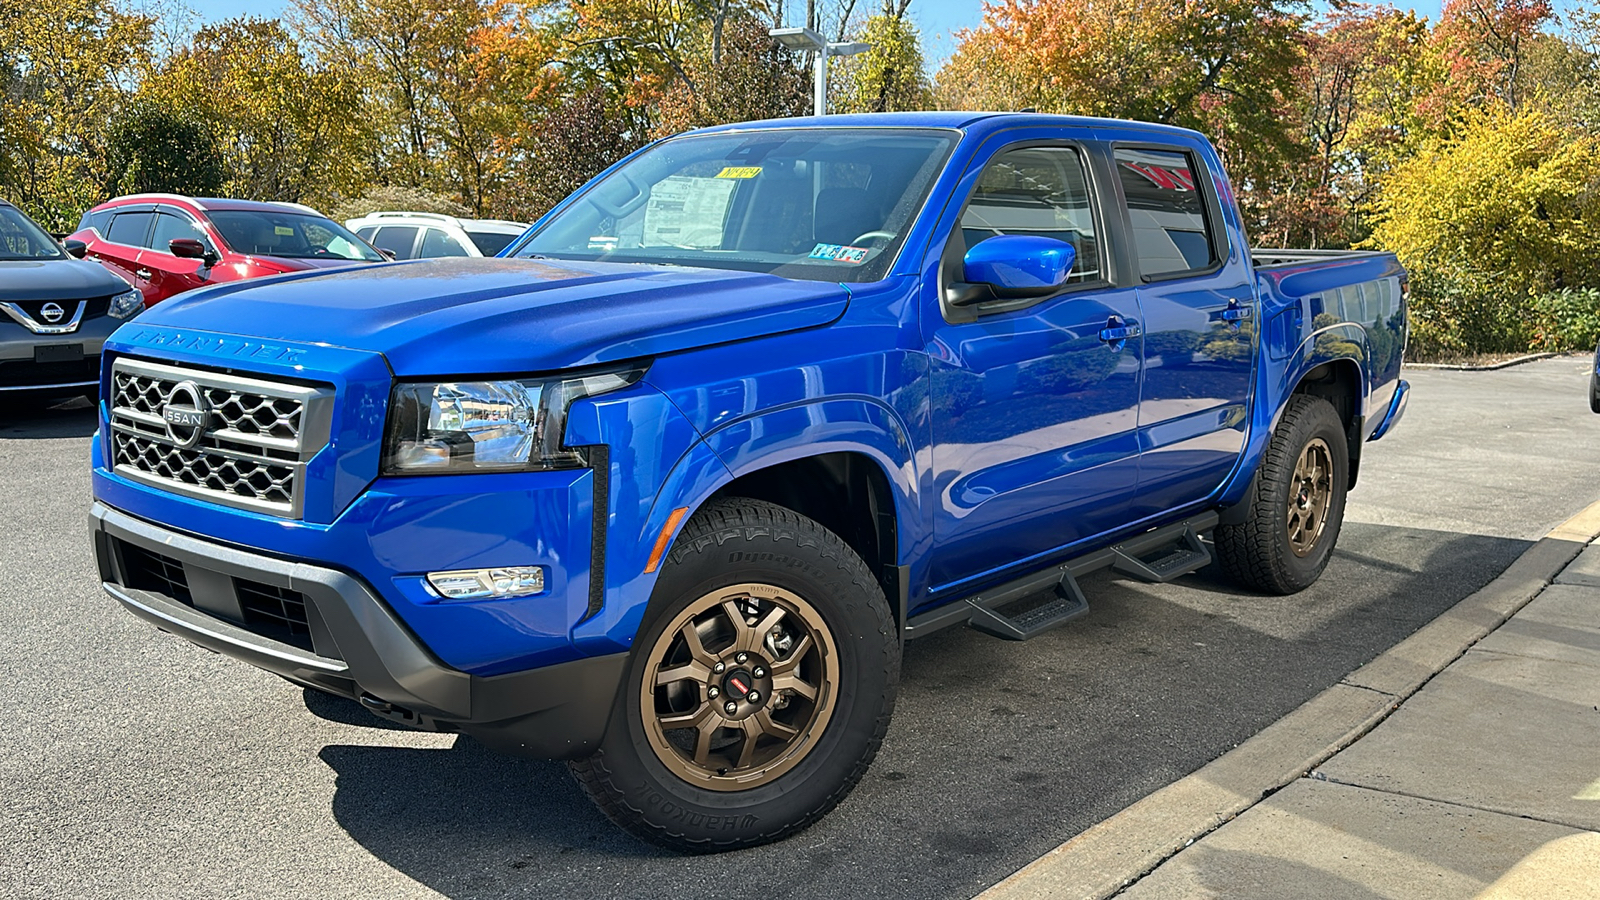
(998, 751)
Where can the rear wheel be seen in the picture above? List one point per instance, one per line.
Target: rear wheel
(1296, 505)
(760, 686)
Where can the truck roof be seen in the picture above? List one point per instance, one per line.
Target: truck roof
(964, 120)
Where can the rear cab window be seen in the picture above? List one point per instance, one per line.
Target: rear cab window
(1173, 230)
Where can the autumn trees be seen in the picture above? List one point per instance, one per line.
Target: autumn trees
(1467, 145)
(498, 107)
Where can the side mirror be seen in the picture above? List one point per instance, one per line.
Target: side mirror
(387, 253)
(75, 248)
(189, 248)
(1018, 265)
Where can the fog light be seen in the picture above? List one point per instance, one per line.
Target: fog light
(488, 584)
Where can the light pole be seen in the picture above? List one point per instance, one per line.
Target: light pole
(808, 40)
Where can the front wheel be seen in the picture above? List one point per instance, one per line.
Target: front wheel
(1296, 504)
(760, 686)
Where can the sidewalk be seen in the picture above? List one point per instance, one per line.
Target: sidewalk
(1429, 773)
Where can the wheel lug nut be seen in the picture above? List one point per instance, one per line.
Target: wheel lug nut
(740, 657)
(718, 668)
(712, 692)
(759, 672)
(730, 707)
(753, 696)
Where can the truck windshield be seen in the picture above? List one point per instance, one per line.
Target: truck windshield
(824, 204)
(21, 239)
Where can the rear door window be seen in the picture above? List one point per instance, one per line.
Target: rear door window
(1171, 230)
(129, 228)
(397, 239)
(436, 243)
(1038, 191)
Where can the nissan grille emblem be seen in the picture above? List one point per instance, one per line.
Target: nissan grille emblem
(52, 312)
(186, 413)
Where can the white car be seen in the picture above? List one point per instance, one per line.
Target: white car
(419, 235)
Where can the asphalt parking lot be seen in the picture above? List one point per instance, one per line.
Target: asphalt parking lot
(134, 765)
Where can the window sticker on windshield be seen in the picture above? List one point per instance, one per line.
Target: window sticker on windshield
(603, 242)
(283, 230)
(687, 212)
(840, 253)
(740, 172)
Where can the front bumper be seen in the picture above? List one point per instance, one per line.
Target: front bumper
(22, 373)
(355, 646)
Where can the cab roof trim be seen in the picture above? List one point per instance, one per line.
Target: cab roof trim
(960, 120)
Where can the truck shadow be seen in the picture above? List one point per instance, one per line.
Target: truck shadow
(26, 420)
(998, 751)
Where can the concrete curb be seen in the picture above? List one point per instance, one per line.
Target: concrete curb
(1124, 848)
(1454, 367)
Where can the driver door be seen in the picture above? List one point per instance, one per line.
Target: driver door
(1035, 410)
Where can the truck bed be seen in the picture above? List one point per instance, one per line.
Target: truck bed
(1267, 258)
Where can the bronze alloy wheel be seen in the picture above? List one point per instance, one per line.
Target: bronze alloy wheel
(1310, 492)
(739, 686)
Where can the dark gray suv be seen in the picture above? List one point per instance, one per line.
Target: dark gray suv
(55, 312)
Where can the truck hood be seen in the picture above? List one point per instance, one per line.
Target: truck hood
(56, 279)
(493, 316)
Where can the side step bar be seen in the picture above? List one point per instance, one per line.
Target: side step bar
(1020, 609)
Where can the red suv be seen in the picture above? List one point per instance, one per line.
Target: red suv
(165, 244)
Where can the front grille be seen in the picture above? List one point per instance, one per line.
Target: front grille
(249, 449)
(274, 612)
(96, 306)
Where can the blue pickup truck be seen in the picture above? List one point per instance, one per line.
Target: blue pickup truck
(663, 489)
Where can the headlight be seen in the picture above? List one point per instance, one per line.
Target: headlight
(125, 305)
(479, 426)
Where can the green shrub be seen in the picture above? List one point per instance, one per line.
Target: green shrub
(1568, 319)
(1458, 316)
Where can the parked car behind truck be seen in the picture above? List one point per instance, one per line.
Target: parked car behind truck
(165, 244)
(664, 491)
(55, 313)
(419, 235)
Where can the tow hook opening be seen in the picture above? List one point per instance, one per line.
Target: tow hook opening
(399, 715)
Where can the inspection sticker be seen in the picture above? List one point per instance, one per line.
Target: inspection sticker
(739, 172)
(840, 253)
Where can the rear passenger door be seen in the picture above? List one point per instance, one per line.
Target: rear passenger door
(1198, 296)
(124, 239)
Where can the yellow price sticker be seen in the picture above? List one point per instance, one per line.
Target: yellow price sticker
(283, 230)
(740, 172)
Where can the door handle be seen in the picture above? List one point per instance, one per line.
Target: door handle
(1235, 314)
(1118, 331)
(142, 273)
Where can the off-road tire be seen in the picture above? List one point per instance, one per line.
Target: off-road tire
(1258, 552)
(729, 543)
